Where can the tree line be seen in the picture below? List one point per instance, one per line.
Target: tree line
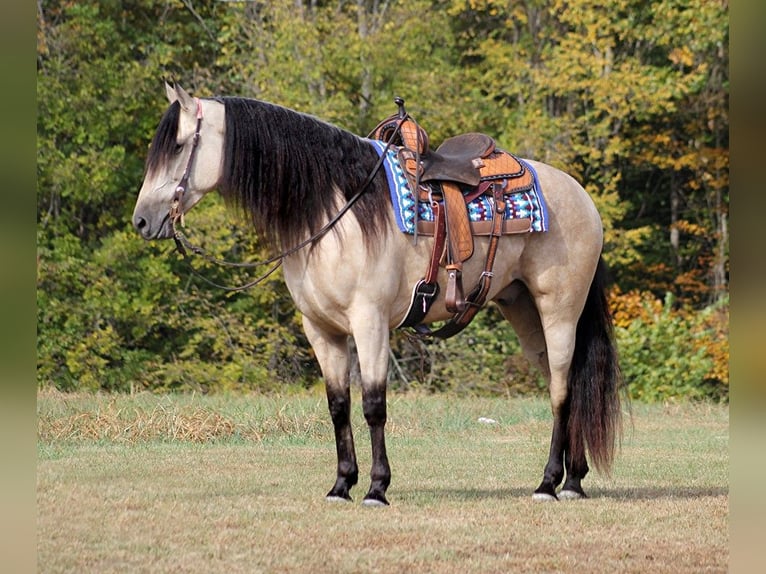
(629, 96)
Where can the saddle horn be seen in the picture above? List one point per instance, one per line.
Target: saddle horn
(399, 101)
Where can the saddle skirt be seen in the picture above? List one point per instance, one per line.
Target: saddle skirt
(525, 206)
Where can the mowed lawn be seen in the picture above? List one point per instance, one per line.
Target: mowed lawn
(236, 484)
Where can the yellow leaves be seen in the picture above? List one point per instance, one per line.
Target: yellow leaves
(591, 34)
(518, 13)
(681, 56)
(690, 228)
(627, 307)
(490, 6)
(686, 160)
(87, 359)
(625, 247)
(716, 342)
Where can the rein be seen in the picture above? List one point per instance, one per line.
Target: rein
(184, 246)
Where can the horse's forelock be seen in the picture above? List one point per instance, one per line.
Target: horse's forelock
(164, 141)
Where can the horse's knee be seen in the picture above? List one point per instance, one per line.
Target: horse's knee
(339, 404)
(374, 407)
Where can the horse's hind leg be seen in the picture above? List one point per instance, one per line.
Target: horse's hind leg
(517, 305)
(333, 355)
(577, 468)
(560, 328)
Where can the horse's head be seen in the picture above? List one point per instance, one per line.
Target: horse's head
(176, 168)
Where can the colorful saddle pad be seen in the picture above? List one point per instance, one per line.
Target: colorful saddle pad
(522, 204)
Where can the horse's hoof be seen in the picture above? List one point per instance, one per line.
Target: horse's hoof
(544, 497)
(332, 498)
(571, 495)
(375, 502)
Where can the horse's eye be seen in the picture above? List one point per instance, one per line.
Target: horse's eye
(178, 148)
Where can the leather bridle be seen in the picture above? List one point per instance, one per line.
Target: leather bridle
(176, 211)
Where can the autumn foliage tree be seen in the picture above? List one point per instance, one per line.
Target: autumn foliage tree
(629, 96)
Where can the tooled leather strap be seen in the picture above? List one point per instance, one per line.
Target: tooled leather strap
(440, 234)
(459, 245)
(458, 226)
(478, 295)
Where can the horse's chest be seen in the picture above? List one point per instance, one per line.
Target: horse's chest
(322, 292)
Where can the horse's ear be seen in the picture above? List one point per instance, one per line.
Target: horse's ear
(187, 102)
(170, 91)
(175, 93)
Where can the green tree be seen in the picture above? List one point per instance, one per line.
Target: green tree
(613, 91)
(680, 160)
(346, 61)
(629, 96)
(113, 310)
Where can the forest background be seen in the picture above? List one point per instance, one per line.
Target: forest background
(629, 96)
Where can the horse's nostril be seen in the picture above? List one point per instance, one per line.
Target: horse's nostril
(139, 223)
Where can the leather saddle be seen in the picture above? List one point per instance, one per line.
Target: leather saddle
(457, 172)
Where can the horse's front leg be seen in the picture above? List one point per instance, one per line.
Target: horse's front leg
(333, 355)
(372, 342)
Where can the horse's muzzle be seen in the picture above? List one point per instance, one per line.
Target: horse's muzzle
(148, 230)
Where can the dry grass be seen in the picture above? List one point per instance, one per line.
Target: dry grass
(69, 418)
(201, 484)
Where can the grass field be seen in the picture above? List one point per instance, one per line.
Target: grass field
(237, 484)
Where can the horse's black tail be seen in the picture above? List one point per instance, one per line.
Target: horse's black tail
(595, 381)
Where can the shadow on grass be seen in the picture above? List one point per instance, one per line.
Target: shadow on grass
(461, 494)
(652, 493)
(659, 492)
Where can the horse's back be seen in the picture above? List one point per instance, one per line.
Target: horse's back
(569, 205)
(574, 239)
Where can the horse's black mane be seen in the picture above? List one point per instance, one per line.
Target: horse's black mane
(281, 166)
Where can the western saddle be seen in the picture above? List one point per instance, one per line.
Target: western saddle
(461, 169)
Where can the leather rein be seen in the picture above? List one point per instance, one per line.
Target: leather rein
(184, 246)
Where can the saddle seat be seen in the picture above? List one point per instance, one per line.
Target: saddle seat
(458, 159)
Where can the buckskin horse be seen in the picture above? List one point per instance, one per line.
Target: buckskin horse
(317, 192)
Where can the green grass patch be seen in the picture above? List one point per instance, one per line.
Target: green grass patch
(127, 484)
